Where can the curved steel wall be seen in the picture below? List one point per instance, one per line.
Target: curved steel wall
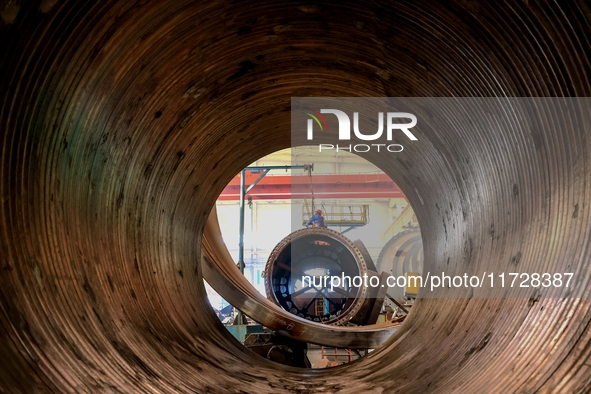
(122, 121)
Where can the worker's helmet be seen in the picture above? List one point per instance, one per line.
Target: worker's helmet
(319, 211)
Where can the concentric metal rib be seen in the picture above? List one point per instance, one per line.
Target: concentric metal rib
(122, 121)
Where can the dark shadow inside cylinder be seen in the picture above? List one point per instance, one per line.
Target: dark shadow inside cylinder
(303, 277)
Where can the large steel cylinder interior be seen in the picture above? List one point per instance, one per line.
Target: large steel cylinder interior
(122, 121)
(298, 270)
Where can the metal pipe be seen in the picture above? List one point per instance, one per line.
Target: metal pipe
(398, 304)
(241, 228)
(240, 319)
(121, 122)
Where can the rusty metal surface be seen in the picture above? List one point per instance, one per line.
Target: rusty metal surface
(221, 273)
(353, 304)
(121, 122)
(402, 253)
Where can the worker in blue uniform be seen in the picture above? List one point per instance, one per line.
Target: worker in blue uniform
(316, 220)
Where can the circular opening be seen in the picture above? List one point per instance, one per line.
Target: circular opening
(318, 256)
(364, 215)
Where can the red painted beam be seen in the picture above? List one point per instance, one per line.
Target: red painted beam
(279, 187)
(270, 179)
(286, 196)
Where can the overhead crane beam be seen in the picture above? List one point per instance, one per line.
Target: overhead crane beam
(281, 187)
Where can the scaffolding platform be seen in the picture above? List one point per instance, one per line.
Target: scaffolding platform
(339, 215)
